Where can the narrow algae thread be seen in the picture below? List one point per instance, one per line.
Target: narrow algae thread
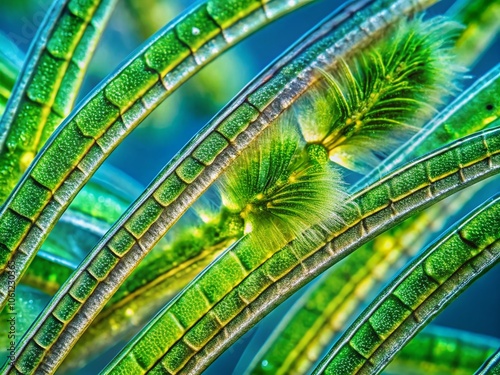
(291, 267)
(116, 106)
(443, 350)
(136, 230)
(272, 178)
(418, 293)
(340, 291)
(491, 366)
(48, 83)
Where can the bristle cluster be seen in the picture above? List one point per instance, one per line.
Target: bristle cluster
(280, 188)
(382, 95)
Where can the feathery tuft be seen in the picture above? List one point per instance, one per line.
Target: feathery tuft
(280, 188)
(383, 95)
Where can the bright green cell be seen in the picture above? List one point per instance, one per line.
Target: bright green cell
(409, 180)
(253, 285)
(388, 316)
(5, 255)
(208, 150)
(43, 87)
(229, 306)
(189, 170)
(31, 358)
(375, 198)
(65, 98)
(415, 288)
(95, 118)
(446, 260)
(130, 84)
(83, 9)
(81, 56)
(176, 357)
(483, 230)
(13, 228)
(261, 98)
(83, 287)
(32, 197)
(197, 29)
(163, 332)
(346, 362)
(52, 121)
(165, 53)
(472, 152)
(250, 256)
(237, 121)
(143, 218)
(202, 331)
(61, 157)
(24, 130)
(103, 264)
(190, 306)
(228, 272)
(66, 36)
(366, 340)
(66, 308)
(49, 332)
(121, 243)
(169, 190)
(226, 13)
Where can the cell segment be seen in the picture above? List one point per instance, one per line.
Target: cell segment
(143, 218)
(226, 13)
(208, 150)
(166, 53)
(96, 116)
(415, 288)
(162, 335)
(66, 36)
(388, 316)
(189, 170)
(61, 156)
(46, 80)
(121, 242)
(238, 121)
(130, 84)
(13, 228)
(169, 190)
(197, 29)
(49, 331)
(83, 8)
(31, 198)
(66, 308)
(83, 287)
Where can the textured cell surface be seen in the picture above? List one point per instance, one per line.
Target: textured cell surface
(266, 260)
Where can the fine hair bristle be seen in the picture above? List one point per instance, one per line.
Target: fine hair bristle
(280, 187)
(382, 95)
